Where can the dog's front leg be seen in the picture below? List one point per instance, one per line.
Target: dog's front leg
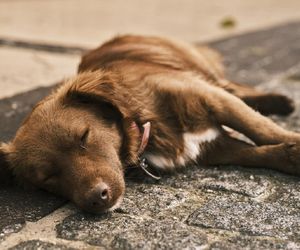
(229, 110)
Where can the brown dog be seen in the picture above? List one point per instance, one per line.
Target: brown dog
(78, 141)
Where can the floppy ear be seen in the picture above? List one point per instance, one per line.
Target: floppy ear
(115, 102)
(6, 174)
(104, 87)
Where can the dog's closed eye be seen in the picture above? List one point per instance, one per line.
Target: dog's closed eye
(47, 175)
(50, 177)
(83, 139)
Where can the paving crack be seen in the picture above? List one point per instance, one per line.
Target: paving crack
(41, 46)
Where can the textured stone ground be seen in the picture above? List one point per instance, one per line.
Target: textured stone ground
(213, 208)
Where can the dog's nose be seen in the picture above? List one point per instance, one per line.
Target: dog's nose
(100, 195)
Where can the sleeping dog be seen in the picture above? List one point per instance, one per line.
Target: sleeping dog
(144, 97)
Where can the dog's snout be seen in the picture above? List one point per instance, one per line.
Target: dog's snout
(100, 195)
(104, 194)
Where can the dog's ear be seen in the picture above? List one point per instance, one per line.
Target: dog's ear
(103, 87)
(6, 173)
(107, 91)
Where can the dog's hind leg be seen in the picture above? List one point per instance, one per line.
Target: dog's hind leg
(227, 109)
(283, 157)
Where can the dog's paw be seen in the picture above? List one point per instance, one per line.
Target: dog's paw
(293, 153)
(271, 103)
(281, 104)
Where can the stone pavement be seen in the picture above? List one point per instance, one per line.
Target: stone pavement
(200, 208)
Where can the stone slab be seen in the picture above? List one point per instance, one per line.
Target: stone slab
(128, 232)
(256, 57)
(24, 69)
(227, 179)
(248, 217)
(256, 243)
(18, 206)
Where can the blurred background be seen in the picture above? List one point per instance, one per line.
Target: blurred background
(85, 24)
(89, 22)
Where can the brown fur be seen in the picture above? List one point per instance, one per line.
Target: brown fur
(81, 135)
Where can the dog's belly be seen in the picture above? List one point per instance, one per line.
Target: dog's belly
(193, 147)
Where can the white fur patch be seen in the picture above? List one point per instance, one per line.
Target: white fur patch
(160, 161)
(193, 141)
(192, 149)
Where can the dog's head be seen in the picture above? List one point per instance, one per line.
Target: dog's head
(76, 142)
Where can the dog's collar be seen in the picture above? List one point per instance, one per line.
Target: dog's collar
(142, 162)
(145, 136)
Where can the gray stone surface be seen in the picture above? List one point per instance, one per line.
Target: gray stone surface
(226, 179)
(206, 208)
(256, 243)
(184, 209)
(129, 232)
(260, 55)
(14, 109)
(18, 206)
(248, 217)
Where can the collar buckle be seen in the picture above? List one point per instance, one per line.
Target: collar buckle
(142, 162)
